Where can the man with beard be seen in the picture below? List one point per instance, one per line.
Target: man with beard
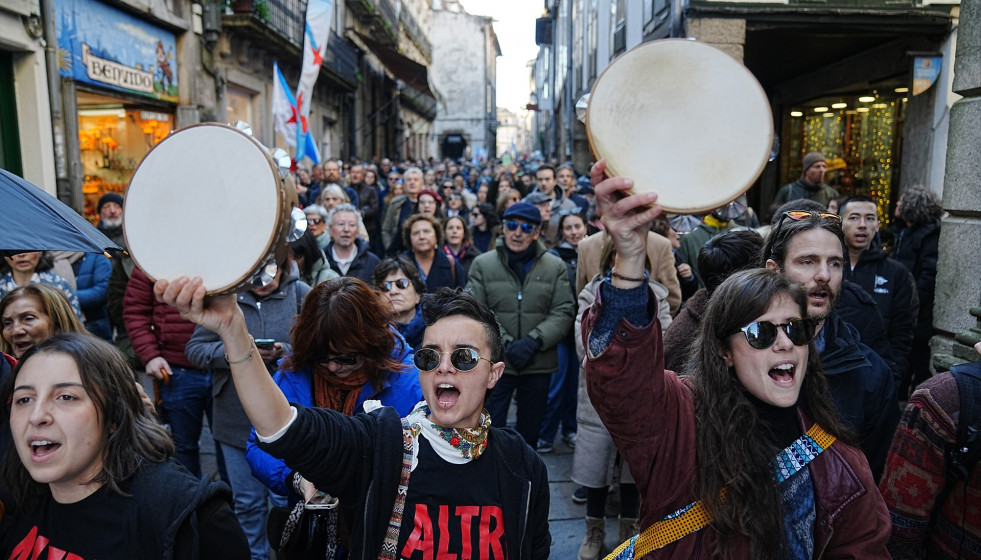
(111, 217)
(809, 248)
(332, 175)
(811, 183)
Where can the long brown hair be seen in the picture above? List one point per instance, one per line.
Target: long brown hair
(340, 316)
(730, 453)
(131, 436)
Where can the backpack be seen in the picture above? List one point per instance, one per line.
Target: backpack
(961, 458)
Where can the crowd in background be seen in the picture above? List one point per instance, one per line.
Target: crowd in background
(526, 240)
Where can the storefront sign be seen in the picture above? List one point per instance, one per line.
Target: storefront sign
(925, 72)
(101, 45)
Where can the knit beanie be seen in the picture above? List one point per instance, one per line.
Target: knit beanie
(109, 197)
(810, 158)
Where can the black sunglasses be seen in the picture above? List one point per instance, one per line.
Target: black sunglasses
(339, 359)
(401, 283)
(525, 226)
(762, 334)
(462, 359)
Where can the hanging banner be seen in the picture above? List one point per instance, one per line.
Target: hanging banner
(925, 72)
(317, 31)
(100, 45)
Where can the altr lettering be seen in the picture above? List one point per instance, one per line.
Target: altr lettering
(453, 538)
(31, 547)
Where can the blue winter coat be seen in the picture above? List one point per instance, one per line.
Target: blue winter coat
(92, 289)
(401, 392)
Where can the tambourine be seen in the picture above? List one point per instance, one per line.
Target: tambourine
(211, 201)
(683, 119)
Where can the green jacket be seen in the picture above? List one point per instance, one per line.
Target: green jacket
(542, 308)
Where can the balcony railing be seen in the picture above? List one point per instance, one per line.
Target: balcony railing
(342, 60)
(415, 33)
(388, 18)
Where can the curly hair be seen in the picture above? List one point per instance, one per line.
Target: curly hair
(407, 229)
(344, 315)
(52, 302)
(920, 206)
(131, 436)
(730, 453)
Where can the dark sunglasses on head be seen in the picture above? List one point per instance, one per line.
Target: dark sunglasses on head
(339, 359)
(762, 334)
(525, 226)
(401, 283)
(315, 220)
(462, 359)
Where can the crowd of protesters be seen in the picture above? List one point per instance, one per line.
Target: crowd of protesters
(810, 329)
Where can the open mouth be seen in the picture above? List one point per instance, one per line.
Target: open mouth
(819, 295)
(783, 374)
(41, 448)
(446, 395)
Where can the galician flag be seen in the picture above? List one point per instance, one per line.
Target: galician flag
(286, 115)
(319, 15)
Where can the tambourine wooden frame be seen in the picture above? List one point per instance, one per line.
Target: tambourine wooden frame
(272, 243)
(643, 184)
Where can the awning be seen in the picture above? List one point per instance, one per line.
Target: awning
(414, 75)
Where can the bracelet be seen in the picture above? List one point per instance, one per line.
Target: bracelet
(613, 273)
(246, 358)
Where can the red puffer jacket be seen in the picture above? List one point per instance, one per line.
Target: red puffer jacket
(154, 328)
(651, 416)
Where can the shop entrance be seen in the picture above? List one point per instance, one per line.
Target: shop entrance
(454, 146)
(114, 135)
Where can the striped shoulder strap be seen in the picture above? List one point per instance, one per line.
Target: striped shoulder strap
(389, 549)
(695, 516)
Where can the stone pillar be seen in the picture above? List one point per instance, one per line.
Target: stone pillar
(727, 35)
(959, 268)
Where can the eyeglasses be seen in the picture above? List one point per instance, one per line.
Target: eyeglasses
(339, 359)
(315, 221)
(525, 226)
(762, 334)
(462, 359)
(797, 215)
(401, 283)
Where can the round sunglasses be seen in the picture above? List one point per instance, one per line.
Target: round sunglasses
(525, 226)
(401, 283)
(462, 359)
(762, 334)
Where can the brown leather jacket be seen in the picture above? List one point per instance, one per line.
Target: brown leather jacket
(650, 413)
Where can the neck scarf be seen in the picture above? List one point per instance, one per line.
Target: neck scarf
(453, 445)
(335, 393)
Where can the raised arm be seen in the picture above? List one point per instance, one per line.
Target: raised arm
(261, 398)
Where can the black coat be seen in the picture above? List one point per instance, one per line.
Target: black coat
(444, 272)
(917, 248)
(359, 460)
(891, 286)
(363, 266)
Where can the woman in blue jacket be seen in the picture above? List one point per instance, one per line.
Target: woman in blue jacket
(345, 352)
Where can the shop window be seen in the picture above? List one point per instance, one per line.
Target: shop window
(859, 137)
(113, 139)
(10, 156)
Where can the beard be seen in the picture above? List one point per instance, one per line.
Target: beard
(830, 296)
(111, 223)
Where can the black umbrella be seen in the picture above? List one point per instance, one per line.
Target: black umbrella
(33, 220)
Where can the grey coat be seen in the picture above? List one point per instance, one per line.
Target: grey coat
(271, 317)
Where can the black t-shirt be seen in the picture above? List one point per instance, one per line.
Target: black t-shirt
(93, 528)
(452, 511)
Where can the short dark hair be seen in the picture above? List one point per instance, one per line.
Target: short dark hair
(854, 198)
(727, 253)
(403, 265)
(545, 167)
(445, 302)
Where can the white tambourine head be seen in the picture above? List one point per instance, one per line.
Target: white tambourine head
(204, 202)
(682, 119)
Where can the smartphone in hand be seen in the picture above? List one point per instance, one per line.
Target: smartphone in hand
(321, 500)
(265, 343)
